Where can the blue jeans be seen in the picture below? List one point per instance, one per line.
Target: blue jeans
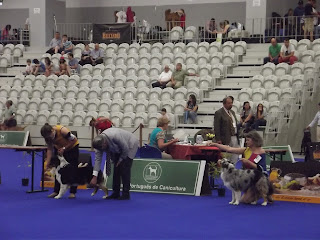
(267, 59)
(191, 115)
(257, 123)
(246, 126)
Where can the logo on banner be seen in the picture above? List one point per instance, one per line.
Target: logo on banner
(3, 137)
(111, 35)
(152, 172)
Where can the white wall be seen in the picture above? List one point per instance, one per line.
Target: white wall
(18, 21)
(125, 3)
(280, 6)
(57, 9)
(37, 22)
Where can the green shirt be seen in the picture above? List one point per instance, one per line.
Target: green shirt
(178, 76)
(275, 50)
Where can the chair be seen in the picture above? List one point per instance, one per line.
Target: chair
(62, 80)
(47, 92)
(54, 117)
(94, 93)
(130, 93)
(144, 59)
(96, 80)
(180, 94)
(59, 92)
(294, 43)
(110, 59)
(77, 49)
(107, 81)
(281, 69)
(132, 59)
(195, 91)
(268, 69)
(227, 47)
(86, 70)
(155, 70)
(203, 47)
(167, 58)
(143, 93)
(156, 58)
(179, 106)
(83, 92)
(143, 81)
(245, 94)
(98, 70)
(153, 119)
(141, 118)
(129, 105)
(45, 104)
(72, 92)
(191, 59)
(176, 33)
(203, 58)
(8, 49)
(141, 106)
(34, 104)
(144, 70)
(66, 118)
(128, 119)
(51, 80)
(156, 47)
(37, 91)
(285, 81)
(256, 81)
(298, 79)
(121, 59)
(116, 118)
(69, 104)
(18, 80)
(274, 94)
(303, 45)
(168, 105)
(216, 58)
(286, 93)
(229, 59)
(218, 71)
(131, 81)
(89, 116)
(193, 68)
(167, 93)
(4, 91)
(118, 93)
(42, 117)
(191, 48)
(119, 81)
(240, 48)
(307, 56)
(74, 80)
(192, 82)
(132, 70)
(214, 47)
(145, 48)
(78, 118)
(57, 104)
(134, 48)
(167, 48)
(297, 68)
(258, 94)
(23, 103)
(154, 106)
(179, 48)
(30, 117)
(206, 82)
(270, 82)
(80, 105)
(123, 48)
(111, 49)
(179, 58)
(85, 81)
(108, 70)
(25, 92)
(274, 106)
(104, 114)
(310, 67)
(120, 70)
(107, 93)
(104, 105)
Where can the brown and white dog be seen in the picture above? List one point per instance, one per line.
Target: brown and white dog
(83, 176)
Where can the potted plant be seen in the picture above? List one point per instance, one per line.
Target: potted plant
(210, 137)
(214, 173)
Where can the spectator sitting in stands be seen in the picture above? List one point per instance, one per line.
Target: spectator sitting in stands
(56, 41)
(38, 67)
(274, 52)
(63, 67)
(48, 65)
(259, 118)
(287, 53)
(28, 67)
(85, 56)
(73, 64)
(164, 78)
(164, 113)
(65, 47)
(211, 30)
(97, 55)
(158, 137)
(177, 79)
(191, 109)
(246, 117)
(5, 34)
(8, 116)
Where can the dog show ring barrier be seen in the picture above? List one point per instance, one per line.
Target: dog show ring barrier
(31, 150)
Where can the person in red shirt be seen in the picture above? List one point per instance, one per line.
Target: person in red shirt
(182, 18)
(101, 124)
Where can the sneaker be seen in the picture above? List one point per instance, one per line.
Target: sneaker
(112, 196)
(72, 196)
(52, 195)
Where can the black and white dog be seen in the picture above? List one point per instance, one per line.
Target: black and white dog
(238, 180)
(83, 176)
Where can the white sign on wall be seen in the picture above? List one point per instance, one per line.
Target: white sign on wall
(36, 11)
(256, 3)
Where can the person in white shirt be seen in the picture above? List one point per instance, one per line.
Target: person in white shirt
(287, 53)
(122, 17)
(28, 67)
(164, 78)
(316, 120)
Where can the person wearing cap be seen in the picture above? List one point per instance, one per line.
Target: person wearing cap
(121, 147)
(158, 137)
(315, 121)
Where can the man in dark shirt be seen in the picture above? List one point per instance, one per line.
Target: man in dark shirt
(308, 23)
(299, 12)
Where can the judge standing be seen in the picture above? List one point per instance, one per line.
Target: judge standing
(121, 147)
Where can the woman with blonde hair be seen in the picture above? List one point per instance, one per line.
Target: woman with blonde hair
(158, 137)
